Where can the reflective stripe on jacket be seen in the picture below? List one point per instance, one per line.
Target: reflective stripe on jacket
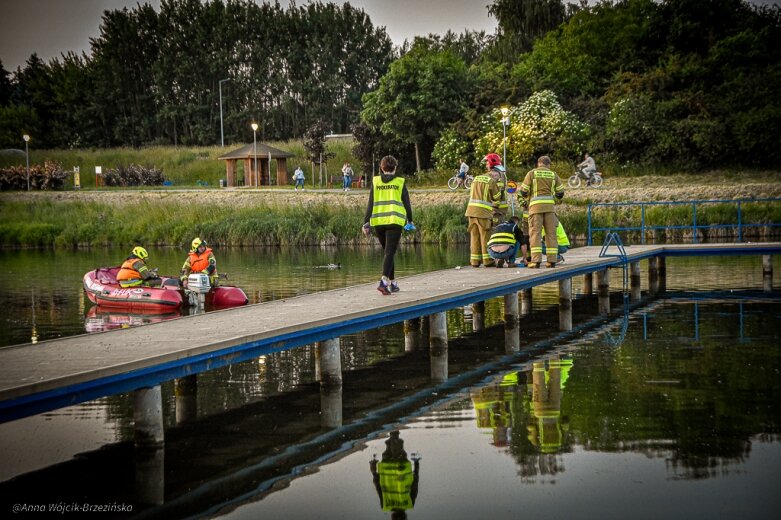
(388, 207)
(542, 187)
(503, 234)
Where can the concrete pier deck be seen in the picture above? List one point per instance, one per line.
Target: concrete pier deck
(55, 373)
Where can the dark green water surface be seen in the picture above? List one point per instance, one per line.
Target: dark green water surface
(670, 409)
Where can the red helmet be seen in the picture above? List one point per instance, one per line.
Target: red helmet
(492, 159)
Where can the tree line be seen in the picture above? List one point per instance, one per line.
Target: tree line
(645, 84)
(154, 78)
(687, 84)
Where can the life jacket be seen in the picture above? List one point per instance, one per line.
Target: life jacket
(388, 207)
(199, 263)
(128, 272)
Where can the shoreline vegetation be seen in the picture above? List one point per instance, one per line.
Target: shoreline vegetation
(280, 216)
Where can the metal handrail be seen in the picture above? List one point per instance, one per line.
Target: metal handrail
(644, 227)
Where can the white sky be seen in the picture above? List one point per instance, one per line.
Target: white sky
(52, 27)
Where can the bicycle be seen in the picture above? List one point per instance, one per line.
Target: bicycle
(453, 183)
(595, 181)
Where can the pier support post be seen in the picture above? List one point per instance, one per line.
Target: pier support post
(411, 334)
(330, 406)
(512, 338)
(186, 392)
(653, 275)
(438, 347)
(148, 417)
(526, 302)
(478, 316)
(149, 439)
(565, 304)
(330, 362)
(603, 291)
(634, 281)
(329, 359)
(662, 274)
(425, 328)
(767, 273)
(150, 475)
(588, 283)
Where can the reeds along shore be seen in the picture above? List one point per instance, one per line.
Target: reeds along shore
(165, 220)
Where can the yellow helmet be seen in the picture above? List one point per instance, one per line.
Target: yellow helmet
(197, 242)
(140, 252)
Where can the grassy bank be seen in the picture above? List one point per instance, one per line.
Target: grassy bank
(183, 166)
(245, 217)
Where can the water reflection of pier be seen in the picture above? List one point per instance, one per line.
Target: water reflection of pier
(215, 462)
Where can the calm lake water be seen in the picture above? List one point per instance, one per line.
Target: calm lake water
(668, 410)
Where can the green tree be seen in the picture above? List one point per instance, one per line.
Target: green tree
(522, 22)
(420, 95)
(123, 92)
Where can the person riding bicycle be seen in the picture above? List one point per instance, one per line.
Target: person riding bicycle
(588, 167)
(462, 171)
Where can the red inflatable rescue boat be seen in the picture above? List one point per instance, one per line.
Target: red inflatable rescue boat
(103, 289)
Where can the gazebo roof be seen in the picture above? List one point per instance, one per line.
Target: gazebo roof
(248, 151)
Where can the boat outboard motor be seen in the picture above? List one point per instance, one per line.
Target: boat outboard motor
(198, 285)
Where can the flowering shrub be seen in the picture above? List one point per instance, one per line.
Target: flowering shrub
(448, 150)
(539, 125)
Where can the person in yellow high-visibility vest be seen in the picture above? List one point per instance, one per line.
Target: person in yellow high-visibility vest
(395, 477)
(389, 212)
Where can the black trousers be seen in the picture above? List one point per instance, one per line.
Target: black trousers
(389, 236)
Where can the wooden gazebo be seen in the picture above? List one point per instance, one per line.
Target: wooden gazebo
(265, 154)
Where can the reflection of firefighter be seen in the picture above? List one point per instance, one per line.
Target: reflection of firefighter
(493, 407)
(395, 477)
(548, 380)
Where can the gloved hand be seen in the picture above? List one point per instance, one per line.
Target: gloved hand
(409, 226)
(367, 229)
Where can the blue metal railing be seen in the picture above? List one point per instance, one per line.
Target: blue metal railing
(645, 227)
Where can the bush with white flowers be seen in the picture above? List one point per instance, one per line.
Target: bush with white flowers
(537, 126)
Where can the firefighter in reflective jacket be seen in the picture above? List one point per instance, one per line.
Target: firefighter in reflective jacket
(395, 477)
(543, 189)
(200, 260)
(484, 198)
(134, 271)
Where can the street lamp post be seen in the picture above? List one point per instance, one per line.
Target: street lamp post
(255, 146)
(505, 121)
(222, 134)
(27, 158)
